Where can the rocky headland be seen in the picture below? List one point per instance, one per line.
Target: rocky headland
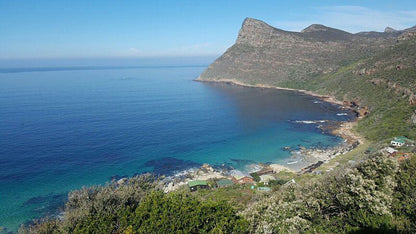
(264, 55)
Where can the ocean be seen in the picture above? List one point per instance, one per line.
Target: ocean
(61, 129)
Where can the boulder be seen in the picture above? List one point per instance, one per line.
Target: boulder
(413, 118)
(412, 99)
(121, 181)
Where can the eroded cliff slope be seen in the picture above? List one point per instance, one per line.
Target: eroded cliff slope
(266, 55)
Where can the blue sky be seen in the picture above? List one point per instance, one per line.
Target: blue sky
(123, 28)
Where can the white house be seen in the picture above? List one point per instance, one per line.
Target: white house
(397, 142)
(390, 150)
(266, 178)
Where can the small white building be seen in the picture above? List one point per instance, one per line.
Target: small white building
(266, 179)
(397, 143)
(390, 150)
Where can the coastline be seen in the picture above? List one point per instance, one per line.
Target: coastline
(326, 98)
(312, 156)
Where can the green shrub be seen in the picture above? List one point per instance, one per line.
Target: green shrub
(139, 207)
(255, 176)
(357, 200)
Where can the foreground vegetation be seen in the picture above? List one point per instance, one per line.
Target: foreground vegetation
(373, 197)
(139, 206)
(376, 195)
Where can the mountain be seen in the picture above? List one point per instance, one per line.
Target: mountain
(389, 30)
(267, 55)
(374, 70)
(412, 29)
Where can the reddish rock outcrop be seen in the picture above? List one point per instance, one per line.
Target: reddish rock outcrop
(397, 88)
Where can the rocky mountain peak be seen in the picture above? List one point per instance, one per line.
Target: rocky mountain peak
(389, 30)
(257, 33)
(250, 23)
(316, 28)
(324, 33)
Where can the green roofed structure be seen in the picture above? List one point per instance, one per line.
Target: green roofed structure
(403, 138)
(224, 183)
(263, 189)
(400, 141)
(197, 184)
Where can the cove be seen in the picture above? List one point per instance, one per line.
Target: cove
(61, 130)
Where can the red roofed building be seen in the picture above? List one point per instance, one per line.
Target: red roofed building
(241, 177)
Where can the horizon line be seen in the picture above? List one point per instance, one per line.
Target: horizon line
(109, 57)
(83, 68)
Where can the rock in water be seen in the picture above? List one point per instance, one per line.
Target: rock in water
(122, 181)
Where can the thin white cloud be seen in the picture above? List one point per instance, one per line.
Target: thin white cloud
(343, 8)
(353, 19)
(133, 52)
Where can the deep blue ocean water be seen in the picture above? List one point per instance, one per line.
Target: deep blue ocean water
(61, 130)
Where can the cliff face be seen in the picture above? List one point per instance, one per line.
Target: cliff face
(256, 33)
(263, 54)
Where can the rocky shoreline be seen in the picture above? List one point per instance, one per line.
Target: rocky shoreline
(344, 129)
(326, 98)
(307, 161)
(304, 160)
(210, 173)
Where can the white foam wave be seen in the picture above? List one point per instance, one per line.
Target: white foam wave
(310, 121)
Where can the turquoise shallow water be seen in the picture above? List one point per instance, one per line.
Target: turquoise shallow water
(61, 130)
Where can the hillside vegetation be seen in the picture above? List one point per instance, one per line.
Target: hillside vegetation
(386, 83)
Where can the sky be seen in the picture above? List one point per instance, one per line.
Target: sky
(183, 28)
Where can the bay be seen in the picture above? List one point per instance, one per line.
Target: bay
(67, 128)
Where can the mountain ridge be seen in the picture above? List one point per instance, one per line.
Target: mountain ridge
(280, 56)
(316, 27)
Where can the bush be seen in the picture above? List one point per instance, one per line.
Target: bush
(405, 192)
(255, 176)
(178, 212)
(355, 199)
(139, 207)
